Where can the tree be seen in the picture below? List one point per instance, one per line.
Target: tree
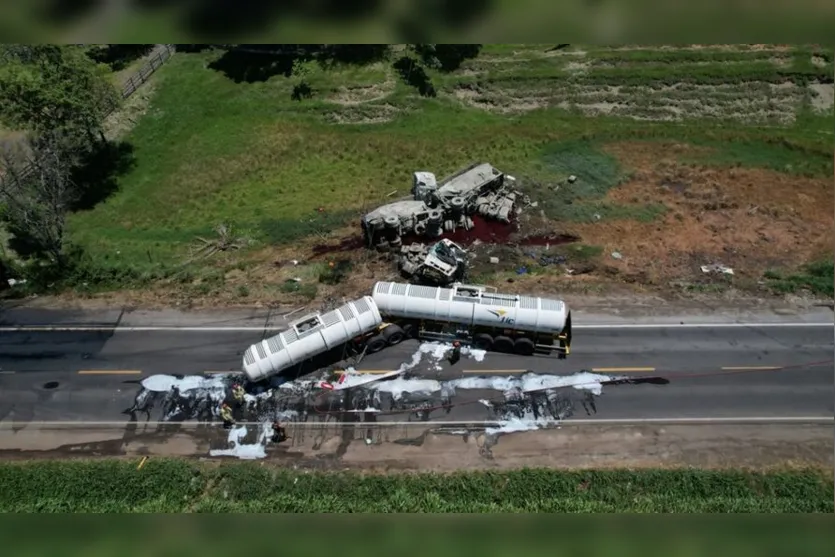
(44, 88)
(36, 193)
(446, 57)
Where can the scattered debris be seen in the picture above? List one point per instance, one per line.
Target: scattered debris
(494, 260)
(224, 242)
(616, 255)
(717, 268)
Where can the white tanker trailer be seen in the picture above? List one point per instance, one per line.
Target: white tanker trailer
(353, 326)
(500, 322)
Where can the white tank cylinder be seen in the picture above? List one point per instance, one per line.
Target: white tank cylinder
(471, 305)
(310, 336)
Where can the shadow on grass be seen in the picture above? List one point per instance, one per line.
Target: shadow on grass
(415, 76)
(284, 231)
(118, 56)
(99, 171)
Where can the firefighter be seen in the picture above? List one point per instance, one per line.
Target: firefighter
(238, 394)
(226, 416)
(456, 353)
(279, 433)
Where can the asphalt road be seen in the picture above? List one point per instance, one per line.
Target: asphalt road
(714, 373)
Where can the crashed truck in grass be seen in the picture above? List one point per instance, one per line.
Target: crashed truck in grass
(442, 206)
(474, 315)
(440, 264)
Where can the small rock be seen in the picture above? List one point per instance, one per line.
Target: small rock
(616, 255)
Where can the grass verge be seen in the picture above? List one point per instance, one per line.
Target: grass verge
(817, 278)
(168, 485)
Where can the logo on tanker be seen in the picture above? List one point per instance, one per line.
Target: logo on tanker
(501, 314)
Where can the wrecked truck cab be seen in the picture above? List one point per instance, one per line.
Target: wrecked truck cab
(385, 226)
(438, 265)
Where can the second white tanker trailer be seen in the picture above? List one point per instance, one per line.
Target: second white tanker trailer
(474, 315)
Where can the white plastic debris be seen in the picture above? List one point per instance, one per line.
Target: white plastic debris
(717, 268)
(572, 179)
(494, 260)
(616, 255)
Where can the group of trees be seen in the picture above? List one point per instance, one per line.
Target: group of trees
(56, 98)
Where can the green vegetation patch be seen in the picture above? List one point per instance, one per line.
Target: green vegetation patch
(180, 486)
(816, 277)
(595, 173)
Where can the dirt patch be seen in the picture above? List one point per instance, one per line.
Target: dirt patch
(823, 96)
(749, 219)
(748, 102)
(418, 447)
(363, 113)
(351, 96)
(819, 61)
(118, 124)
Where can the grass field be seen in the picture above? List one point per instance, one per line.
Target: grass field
(182, 486)
(730, 146)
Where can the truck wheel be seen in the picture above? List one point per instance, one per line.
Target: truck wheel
(393, 335)
(483, 341)
(524, 346)
(503, 344)
(375, 344)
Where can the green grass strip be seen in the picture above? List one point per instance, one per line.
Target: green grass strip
(109, 486)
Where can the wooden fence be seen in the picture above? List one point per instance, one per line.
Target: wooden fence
(156, 59)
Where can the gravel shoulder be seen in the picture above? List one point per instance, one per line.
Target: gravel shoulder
(587, 310)
(418, 448)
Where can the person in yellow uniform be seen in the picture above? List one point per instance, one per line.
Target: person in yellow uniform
(226, 416)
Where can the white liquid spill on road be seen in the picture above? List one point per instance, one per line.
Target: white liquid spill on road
(163, 383)
(394, 383)
(535, 382)
(527, 422)
(435, 351)
(243, 451)
(526, 383)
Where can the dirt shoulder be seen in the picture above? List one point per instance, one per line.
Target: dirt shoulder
(418, 448)
(587, 310)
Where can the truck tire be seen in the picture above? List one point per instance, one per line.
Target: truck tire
(524, 346)
(375, 344)
(393, 335)
(483, 341)
(503, 344)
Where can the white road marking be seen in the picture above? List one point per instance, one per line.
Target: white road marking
(478, 423)
(750, 368)
(210, 329)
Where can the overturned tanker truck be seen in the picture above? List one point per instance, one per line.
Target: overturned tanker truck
(438, 206)
(474, 315)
